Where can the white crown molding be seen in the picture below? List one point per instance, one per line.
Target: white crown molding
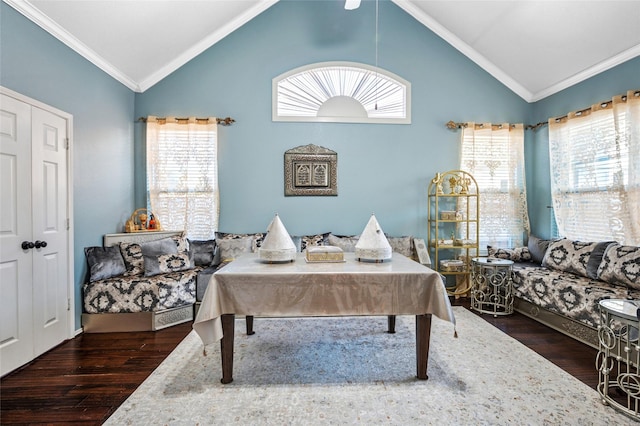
(206, 43)
(464, 48)
(32, 13)
(588, 73)
(36, 16)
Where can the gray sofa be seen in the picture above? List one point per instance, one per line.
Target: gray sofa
(559, 283)
(131, 289)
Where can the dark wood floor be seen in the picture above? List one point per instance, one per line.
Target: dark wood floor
(84, 380)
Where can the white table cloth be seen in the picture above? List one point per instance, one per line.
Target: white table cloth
(249, 286)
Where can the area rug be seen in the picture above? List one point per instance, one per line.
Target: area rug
(306, 371)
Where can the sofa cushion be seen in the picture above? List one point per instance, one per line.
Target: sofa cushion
(517, 254)
(346, 243)
(159, 247)
(203, 252)
(314, 240)
(256, 241)
(569, 256)
(164, 263)
(181, 242)
(133, 260)
(402, 245)
(139, 293)
(596, 258)
(104, 262)
(621, 265)
(229, 249)
(537, 248)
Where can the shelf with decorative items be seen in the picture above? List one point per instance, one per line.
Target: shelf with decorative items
(453, 223)
(143, 220)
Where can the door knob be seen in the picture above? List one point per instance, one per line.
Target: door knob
(26, 245)
(40, 244)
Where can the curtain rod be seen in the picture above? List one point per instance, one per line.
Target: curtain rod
(603, 104)
(228, 121)
(452, 125)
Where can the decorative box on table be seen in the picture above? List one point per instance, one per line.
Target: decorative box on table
(324, 254)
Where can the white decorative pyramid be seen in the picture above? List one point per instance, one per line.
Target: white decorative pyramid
(373, 244)
(277, 245)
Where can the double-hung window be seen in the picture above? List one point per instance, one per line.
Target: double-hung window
(494, 156)
(182, 174)
(595, 171)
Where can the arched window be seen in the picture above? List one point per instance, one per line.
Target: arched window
(343, 92)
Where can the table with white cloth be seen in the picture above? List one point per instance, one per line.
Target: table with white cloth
(252, 287)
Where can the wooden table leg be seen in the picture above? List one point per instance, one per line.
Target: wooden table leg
(391, 324)
(423, 336)
(226, 347)
(249, 320)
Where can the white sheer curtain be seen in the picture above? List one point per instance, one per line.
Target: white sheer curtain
(595, 171)
(494, 155)
(182, 174)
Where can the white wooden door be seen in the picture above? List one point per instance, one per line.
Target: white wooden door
(49, 213)
(16, 264)
(34, 237)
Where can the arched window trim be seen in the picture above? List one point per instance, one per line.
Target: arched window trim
(396, 84)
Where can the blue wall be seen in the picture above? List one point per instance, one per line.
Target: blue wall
(37, 65)
(381, 168)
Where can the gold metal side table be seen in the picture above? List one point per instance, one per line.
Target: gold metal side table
(491, 286)
(618, 356)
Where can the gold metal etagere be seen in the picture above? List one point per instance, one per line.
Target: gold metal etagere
(454, 220)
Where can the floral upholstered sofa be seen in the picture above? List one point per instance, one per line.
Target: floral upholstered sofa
(143, 281)
(560, 283)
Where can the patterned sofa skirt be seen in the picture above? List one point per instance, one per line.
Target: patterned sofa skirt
(564, 301)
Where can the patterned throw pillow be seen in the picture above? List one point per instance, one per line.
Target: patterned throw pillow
(182, 243)
(231, 248)
(402, 245)
(314, 240)
(517, 254)
(347, 244)
(569, 256)
(256, 242)
(621, 265)
(133, 260)
(164, 263)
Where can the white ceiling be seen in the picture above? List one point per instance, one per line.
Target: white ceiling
(536, 48)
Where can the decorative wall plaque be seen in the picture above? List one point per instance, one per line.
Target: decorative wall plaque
(310, 170)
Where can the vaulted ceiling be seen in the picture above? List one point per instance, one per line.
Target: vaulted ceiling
(536, 48)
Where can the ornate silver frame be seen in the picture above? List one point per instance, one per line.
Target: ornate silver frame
(310, 170)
